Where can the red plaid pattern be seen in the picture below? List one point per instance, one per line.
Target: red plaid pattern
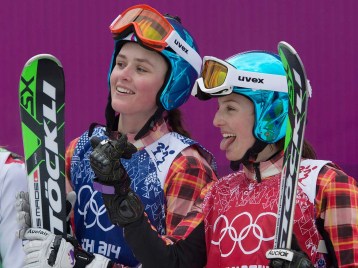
(187, 182)
(337, 204)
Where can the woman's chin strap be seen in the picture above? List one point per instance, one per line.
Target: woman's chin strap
(250, 156)
(150, 123)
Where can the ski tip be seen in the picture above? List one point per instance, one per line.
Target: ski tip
(286, 45)
(287, 49)
(43, 56)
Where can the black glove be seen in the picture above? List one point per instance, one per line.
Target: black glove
(123, 210)
(288, 258)
(106, 164)
(122, 204)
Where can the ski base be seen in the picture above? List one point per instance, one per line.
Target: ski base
(298, 92)
(42, 103)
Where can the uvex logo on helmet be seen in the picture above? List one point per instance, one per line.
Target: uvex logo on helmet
(251, 79)
(181, 46)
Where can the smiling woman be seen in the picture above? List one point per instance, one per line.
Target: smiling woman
(135, 82)
(235, 117)
(241, 208)
(142, 167)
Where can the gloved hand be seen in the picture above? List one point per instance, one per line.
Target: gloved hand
(44, 249)
(106, 164)
(288, 258)
(122, 204)
(123, 210)
(23, 217)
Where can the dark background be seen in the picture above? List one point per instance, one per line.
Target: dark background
(76, 32)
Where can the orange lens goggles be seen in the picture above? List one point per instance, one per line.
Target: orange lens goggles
(219, 78)
(150, 26)
(214, 74)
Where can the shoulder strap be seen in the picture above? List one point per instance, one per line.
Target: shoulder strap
(307, 180)
(309, 171)
(165, 150)
(4, 155)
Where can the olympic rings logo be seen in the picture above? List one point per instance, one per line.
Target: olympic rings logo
(94, 208)
(238, 238)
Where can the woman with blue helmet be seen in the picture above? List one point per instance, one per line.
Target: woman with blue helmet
(241, 208)
(144, 166)
(270, 106)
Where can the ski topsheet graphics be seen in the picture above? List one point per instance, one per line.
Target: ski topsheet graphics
(42, 109)
(298, 90)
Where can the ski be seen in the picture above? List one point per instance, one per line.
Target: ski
(42, 110)
(298, 91)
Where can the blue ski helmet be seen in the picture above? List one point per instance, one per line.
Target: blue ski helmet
(181, 75)
(271, 107)
(268, 93)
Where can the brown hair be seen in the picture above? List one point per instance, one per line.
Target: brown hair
(307, 149)
(174, 119)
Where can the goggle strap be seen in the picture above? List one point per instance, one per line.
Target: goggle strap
(184, 50)
(259, 81)
(194, 90)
